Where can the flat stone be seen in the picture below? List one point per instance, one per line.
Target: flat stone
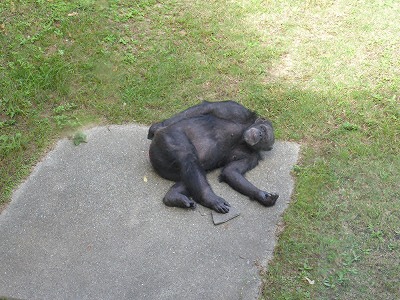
(89, 223)
(222, 218)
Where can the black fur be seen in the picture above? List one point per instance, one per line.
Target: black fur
(205, 137)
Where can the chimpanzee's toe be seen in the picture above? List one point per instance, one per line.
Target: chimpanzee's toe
(222, 209)
(191, 204)
(221, 206)
(179, 201)
(271, 199)
(266, 199)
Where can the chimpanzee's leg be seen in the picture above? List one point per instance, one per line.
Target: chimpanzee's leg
(195, 181)
(178, 196)
(174, 157)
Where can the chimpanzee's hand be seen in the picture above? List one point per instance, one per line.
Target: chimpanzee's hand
(265, 198)
(153, 129)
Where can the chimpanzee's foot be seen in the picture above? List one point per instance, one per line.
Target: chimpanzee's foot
(218, 204)
(178, 196)
(267, 199)
(179, 201)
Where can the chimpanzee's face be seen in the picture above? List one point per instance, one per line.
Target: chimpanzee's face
(260, 136)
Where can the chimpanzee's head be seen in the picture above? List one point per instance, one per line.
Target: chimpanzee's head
(260, 135)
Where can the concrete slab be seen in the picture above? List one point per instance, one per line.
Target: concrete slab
(89, 223)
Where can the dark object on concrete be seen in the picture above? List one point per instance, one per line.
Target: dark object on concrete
(219, 218)
(205, 137)
(86, 224)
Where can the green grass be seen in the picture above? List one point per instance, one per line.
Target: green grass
(326, 72)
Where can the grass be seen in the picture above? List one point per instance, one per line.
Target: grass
(326, 72)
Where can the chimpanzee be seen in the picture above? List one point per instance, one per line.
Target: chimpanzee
(204, 137)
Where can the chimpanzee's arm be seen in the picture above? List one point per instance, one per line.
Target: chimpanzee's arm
(233, 174)
(228, 110)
